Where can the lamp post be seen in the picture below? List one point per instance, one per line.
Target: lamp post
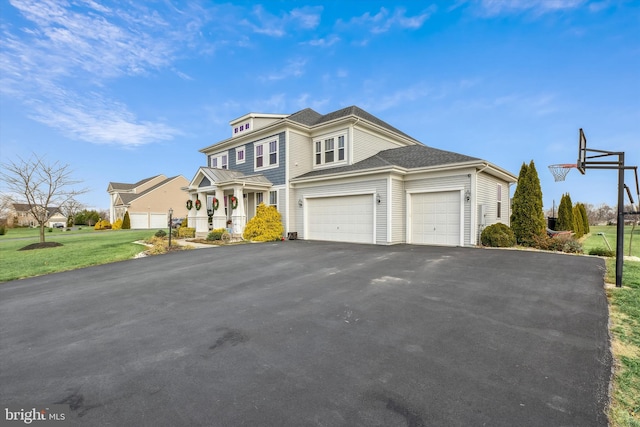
(170, 225)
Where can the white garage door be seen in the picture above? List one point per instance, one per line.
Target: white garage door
(341, 219)
(435, 218)
(159, 220)
(139, 220)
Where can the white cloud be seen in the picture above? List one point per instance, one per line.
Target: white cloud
(384, 21)
(537, 7)
(306, 18)
(59, 62)
(324, 42)
(293, 68)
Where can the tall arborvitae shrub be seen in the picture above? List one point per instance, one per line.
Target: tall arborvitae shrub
(126, 222)
(578, 223)
(585, 218)
(565, 214)
(527, 218)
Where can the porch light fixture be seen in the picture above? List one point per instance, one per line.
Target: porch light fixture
(467, 195)
(170, 225)
(299, 203)
(378, 199)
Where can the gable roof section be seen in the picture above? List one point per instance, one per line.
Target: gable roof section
(24, 207)
(312, 118)
(409, 157)
(127, 198)
(121, 186)
(221, 177)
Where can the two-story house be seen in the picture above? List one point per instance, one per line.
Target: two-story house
(346, 176)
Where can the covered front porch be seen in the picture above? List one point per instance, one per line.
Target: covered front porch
(222, 198)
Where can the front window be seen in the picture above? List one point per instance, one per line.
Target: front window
(499, 197)
(331, 149)
(259, 158)
(259, 198)
(266, 154)
(273, 198)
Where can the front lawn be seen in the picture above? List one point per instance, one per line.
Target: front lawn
(624, 314)
(79, 249)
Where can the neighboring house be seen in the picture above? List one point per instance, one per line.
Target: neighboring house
(347, 176)
(20, 215)
(148, 201)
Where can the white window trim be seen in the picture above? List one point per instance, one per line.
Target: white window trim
(244, 158)
(336, 138)
(276, 203)
(219, 157)
(265, 153)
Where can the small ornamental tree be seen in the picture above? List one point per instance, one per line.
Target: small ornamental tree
(527, 218)
(565, 214)
(126, 222)
(266, 226)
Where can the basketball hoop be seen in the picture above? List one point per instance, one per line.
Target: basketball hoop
(560, 171)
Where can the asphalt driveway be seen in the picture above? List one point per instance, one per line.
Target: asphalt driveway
(313, 334)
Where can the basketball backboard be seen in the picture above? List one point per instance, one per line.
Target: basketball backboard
(582, 152)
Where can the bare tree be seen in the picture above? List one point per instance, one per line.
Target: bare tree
(70, 208)
(43, 185)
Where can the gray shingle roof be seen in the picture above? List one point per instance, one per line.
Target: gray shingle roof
(125, 186)
(129, 197)
(409, 157)
(310, 118)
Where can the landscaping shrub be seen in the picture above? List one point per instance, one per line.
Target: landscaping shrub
(561, 243)
(160, 233)
(117, 225)
(186, 232)
(498, 236)
(266, 226)
(103, 225)
(126, 222)
(602, 252)
(3, 230)
(215, 234)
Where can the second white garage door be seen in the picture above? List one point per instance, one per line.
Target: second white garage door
(341, 219)
(435, 218)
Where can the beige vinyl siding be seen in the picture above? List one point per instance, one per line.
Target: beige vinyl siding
(398, 213)
(488, 196)
(258, 123)
(443, 182)
(169, 195)
(345, 187)
(300, 154)
(366, 144)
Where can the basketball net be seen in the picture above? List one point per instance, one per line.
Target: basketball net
(560, 171)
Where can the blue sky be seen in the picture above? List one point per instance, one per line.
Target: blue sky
(126, 90)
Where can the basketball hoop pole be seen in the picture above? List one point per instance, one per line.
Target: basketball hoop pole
(620, 225)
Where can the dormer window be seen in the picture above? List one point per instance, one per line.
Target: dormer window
(238, 129)
(330, 150)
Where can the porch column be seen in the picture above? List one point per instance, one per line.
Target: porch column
(238, 216)
(191, 213)
(219, 219)
(201, 219)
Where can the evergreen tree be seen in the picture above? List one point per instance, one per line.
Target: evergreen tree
(126, 222)
(565, 214)
(585, 218)
(578, 223)
(527, 218)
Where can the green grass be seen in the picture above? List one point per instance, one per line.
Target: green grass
(624, 313)
(80, 249)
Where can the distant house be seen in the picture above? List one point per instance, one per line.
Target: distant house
(20, 215)
(148, 201)
(346, 176)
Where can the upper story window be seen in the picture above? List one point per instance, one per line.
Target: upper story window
(330, 150)
(499, 198)
(240, 155)
(273, 198)
(266, 153)
(241, 128)
(220, 161)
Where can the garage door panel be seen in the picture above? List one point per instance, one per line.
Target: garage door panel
(139, 220)
(435, 218)
(341, 219)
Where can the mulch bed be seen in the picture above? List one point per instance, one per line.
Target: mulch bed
(42, 245)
